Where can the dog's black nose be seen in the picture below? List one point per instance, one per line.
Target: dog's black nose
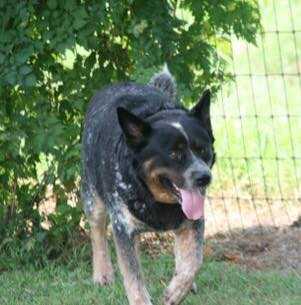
(202, 179)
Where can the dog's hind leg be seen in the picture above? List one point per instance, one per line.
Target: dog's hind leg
(103, 272)
(189, 257)
(126, 246)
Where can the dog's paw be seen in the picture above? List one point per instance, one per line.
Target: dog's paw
(103, 273)
(194, 288)
(103, 279)
(169, 300)
(172, 297)
(176, 292)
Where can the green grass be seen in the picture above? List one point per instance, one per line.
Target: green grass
(218, 283)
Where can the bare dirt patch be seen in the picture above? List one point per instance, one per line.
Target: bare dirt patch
(273, 248)
(260, 248)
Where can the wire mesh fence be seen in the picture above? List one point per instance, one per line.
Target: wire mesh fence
(257, 122)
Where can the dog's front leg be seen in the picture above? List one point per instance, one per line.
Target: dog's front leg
(189, 257)
(126, 246)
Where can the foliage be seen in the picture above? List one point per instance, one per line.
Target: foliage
(55, 54)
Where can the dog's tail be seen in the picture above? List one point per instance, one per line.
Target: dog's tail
(165, 82)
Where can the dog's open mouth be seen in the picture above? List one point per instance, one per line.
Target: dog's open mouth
(167, 183)
(191, 200)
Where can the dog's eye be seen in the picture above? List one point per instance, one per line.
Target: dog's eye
(176, 155)
(202, 150)
(198, 149)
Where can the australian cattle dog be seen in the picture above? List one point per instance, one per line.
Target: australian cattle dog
(146, 166)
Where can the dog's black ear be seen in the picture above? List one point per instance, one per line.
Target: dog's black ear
(135, 129)
(202, 111)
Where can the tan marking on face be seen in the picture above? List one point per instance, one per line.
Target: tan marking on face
(160, 193)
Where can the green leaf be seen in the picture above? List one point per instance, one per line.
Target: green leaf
(2, 58)
(24, 54)
(52, 4)
(139, 28)
(80, 18)
(11, 77)
(30, 80)
(25, 69)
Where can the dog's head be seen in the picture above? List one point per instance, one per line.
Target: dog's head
(174, 157)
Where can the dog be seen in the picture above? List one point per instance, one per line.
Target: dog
(146, 165)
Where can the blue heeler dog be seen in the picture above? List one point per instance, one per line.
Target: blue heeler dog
(146, 165)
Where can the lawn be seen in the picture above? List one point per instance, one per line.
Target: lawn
(218, 283)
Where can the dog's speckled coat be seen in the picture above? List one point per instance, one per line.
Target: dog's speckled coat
(111, 186)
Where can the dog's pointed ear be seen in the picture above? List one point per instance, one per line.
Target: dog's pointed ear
(202, 111)
(136, 130)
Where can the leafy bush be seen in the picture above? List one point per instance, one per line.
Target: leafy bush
(54, 55)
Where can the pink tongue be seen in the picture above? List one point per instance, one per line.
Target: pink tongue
(192, 204)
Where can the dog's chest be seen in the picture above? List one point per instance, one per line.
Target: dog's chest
(150, 215)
